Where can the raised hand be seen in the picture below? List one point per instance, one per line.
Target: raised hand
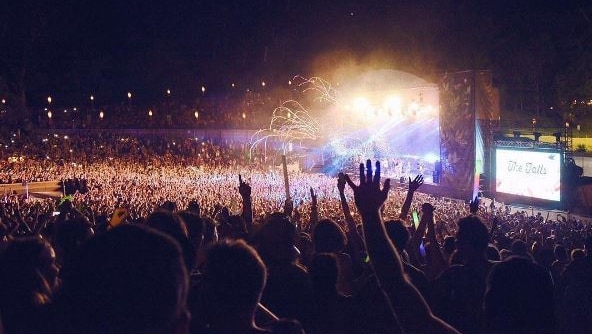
(244, 189)
(341, 182)
(407, 303)
(314, 210)
(288, 207)
(474, 205)
(416, 183)
(313, 198)
(368, 195)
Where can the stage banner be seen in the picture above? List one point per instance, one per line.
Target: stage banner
(457, 130)
(487, 103)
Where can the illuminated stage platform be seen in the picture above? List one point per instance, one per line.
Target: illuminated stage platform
(437, 190)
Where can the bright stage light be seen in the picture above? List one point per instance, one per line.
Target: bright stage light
(393, 103)
(392, 106)
(361, 103)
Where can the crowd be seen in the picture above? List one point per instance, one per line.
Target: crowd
(191, 236)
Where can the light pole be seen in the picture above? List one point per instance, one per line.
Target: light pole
(49, 113)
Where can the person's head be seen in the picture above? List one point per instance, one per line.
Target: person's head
(519, 298)
(306, 248)
(519, 248)
(173, 225)
(169, 206)
(536, 248)
(131, 279)
(195, 227)
(210, 231)
(578, 253)
(560, 253)
(233, 227)
(232, 282)
(398, 233)
(29, 272)
(472, 238)
(168, 223)
(328, 237)
(69, 235)
(276, 240)
(194, 207)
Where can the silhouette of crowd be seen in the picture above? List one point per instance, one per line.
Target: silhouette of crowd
(198, 237)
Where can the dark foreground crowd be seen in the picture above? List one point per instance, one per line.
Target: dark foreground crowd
(348, 257)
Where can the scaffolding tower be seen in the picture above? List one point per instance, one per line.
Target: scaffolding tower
(567, 142)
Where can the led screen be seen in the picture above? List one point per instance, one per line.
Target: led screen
(528, 173)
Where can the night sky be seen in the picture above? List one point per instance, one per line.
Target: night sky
(72, 49)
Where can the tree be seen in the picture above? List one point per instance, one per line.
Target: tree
(24, 27)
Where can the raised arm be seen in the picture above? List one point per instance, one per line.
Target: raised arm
(474, 205)
(244, 189)
(353, 236)
(416, 239)
(437, 259)
(349, 219)
(407, 303)
(413, 186)
(314, 210)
